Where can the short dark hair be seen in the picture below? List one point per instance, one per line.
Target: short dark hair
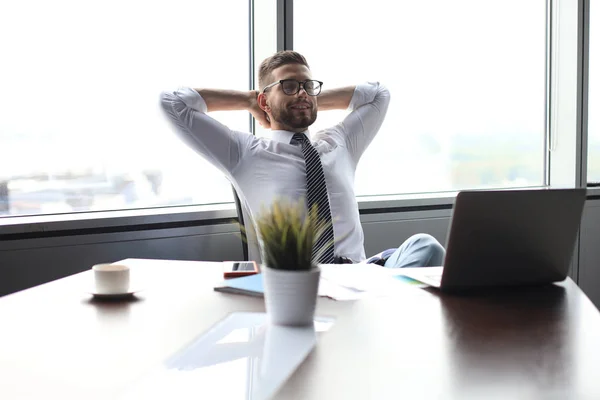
(275, 61)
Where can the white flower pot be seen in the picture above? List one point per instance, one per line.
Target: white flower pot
(291, 296)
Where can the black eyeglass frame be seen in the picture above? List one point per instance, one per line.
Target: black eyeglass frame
(300, 84)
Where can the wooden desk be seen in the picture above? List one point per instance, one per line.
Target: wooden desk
(532, 344)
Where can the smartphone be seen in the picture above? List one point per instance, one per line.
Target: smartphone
(236, 269)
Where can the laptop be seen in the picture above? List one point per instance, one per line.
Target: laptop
(507, 238)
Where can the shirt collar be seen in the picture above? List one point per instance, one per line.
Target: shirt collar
(285, 136)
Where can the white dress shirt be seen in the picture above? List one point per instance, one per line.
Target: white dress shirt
(262, 170)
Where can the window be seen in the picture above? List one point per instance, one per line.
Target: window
(81, 128)
(265, 43)
(593, 92)
(467, 79)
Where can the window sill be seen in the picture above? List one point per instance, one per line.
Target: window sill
(593, 193)
(406, 202)
(210, 214)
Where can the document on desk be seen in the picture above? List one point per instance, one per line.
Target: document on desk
(363, 280)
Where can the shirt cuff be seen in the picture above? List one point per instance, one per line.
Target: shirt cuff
(192, 99)
(363, 93)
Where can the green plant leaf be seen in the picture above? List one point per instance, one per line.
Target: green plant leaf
(288, 233)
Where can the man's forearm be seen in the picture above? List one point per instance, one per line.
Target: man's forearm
(227, 100)
(335, 99)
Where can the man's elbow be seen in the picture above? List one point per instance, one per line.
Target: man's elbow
(383, 92)
(167, 99)
(382, 98)
(172, 104)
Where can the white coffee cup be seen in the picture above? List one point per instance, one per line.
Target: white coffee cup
(111, 278)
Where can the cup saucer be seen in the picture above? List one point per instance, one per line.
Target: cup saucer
(120, 295)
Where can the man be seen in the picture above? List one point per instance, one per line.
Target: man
(295, 164)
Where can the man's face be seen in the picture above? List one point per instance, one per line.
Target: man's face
(291, 112)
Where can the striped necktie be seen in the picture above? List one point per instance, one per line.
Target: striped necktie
(316, 193)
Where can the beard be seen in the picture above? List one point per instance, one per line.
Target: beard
(294, 120)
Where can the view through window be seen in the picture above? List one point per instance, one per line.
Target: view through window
(467, 83)
(81, 128)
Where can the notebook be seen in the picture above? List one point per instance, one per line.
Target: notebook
(251, 285)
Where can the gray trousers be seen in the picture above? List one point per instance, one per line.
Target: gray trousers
(420, 250)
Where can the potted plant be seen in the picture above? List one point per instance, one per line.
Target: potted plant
(291, 278)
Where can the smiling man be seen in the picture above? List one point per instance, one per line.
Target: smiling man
(294, 163)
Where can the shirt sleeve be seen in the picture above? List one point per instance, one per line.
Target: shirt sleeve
(220, 145)
(368, 107)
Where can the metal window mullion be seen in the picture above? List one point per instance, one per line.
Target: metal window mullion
(251, 45)
(565, 89)
(583, 39)
(549, 91)
(285, 25)
(582, 84)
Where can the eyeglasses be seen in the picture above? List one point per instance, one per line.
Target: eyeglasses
(292, 86)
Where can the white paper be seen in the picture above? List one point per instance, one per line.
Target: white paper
(334, 291)
(364, 279)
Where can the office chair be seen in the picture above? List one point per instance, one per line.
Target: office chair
(4, 198)
(250, 246)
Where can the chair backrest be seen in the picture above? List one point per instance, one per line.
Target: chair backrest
(250, 245)
(4, 201)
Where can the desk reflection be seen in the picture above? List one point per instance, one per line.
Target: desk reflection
(517, 337)
(241, 357)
